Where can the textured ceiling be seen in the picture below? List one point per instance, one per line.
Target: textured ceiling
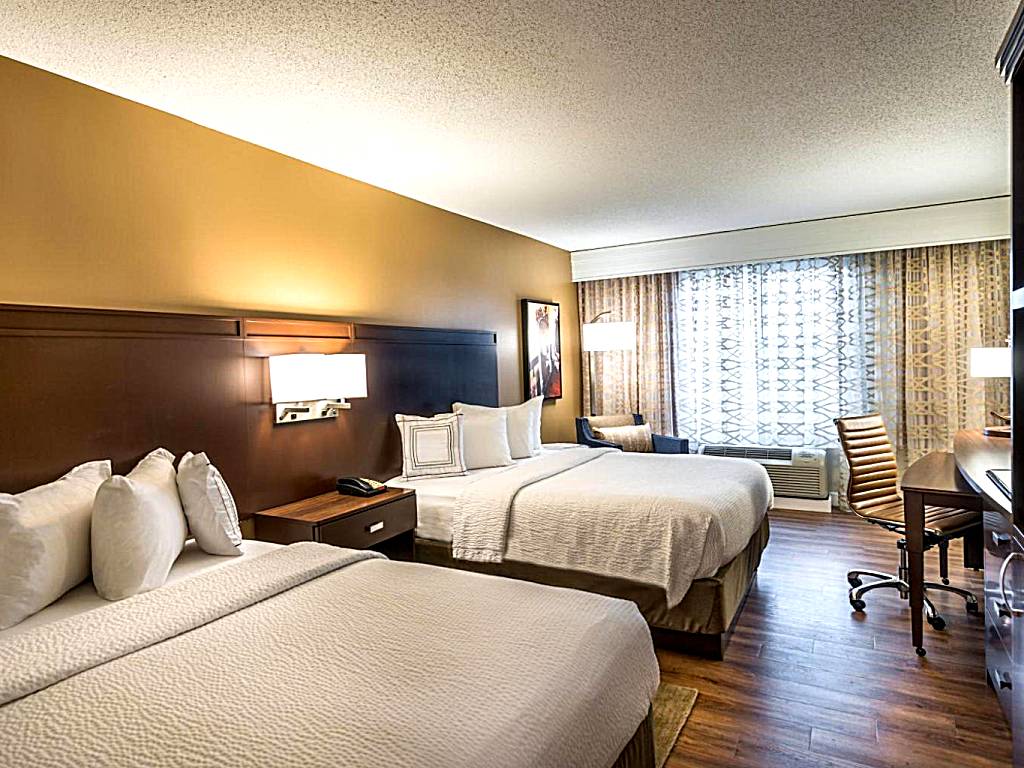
(583, 124)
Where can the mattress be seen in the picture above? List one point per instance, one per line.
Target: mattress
(436, 496)
(384, 658)
(191, 562)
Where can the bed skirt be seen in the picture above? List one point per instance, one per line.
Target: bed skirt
(639, 752)
(701, 624)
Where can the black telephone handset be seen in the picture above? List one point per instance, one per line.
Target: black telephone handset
(359, 486)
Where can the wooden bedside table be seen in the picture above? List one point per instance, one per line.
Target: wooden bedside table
(385, 522)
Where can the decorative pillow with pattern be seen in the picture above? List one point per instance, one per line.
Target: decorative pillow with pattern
(635, 439)
(431, 446)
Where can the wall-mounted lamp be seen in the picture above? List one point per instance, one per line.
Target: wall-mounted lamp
(992, 363)
(606, 336)
(306, 387)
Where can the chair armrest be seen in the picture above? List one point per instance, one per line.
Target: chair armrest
(669, 444)
(585, 436)
(595, 443)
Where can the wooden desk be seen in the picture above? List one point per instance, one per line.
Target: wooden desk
(935, 480)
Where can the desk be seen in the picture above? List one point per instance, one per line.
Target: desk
(936, 480)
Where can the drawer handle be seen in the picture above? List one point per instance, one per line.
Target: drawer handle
(379, 526)
(1000, 539)
(1011, 611)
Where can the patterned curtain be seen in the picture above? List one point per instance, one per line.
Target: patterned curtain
(931, 306)
(770, 353)
(634, 382)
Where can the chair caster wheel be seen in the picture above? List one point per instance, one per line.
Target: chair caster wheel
(945, 581)
(858, 605)
(854, 581)
(937, 622)
(972, 608)
(921, 651)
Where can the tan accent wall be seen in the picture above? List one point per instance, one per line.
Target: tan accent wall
(107, 203)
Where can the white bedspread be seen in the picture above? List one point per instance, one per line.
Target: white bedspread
(656, 519)
(316, 656)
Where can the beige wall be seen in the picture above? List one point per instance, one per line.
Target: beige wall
(107, 203)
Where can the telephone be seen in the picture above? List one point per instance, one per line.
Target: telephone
(359, 486)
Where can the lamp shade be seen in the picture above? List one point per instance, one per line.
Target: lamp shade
(300, 378)
(990, 363)
(347, 375)
(605, 337)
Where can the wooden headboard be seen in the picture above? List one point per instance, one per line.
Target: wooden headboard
(77, 385)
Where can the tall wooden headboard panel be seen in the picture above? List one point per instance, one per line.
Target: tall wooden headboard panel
(77, 385)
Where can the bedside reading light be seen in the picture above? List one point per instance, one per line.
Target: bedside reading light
(307, 387)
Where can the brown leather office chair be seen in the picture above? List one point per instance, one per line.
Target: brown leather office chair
(874, 495)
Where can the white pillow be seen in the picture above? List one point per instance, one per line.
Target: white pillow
(523, 424)
(138, 528)
(431, 446)
(209, 506)
(44, 537)
(485, 436)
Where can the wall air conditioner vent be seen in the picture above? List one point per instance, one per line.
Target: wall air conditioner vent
(795, 472)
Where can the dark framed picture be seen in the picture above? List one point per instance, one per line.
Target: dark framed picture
(542, 349)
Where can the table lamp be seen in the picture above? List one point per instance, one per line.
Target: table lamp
(992, 363)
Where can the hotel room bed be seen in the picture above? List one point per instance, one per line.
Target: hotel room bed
(688, 565)
(312, 655)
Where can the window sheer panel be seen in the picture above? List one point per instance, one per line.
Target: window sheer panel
(766, 357)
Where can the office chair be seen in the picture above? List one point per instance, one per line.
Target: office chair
(874, 495)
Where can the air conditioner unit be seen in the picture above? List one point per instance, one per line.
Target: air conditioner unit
(799, 473)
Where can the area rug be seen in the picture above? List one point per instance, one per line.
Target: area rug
(672, 707)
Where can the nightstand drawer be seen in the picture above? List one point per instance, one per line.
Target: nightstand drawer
(365, 529)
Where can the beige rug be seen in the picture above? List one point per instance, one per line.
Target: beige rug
(672, 707)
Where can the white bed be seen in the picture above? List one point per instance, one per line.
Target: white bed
(310, 655)
(663, 520)
(436, 496)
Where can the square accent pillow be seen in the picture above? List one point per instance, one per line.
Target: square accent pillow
(138, 528)
(485, 438)
(635, 439)
(209, 506)
(45, 541)
(522, 425)
(431, 446)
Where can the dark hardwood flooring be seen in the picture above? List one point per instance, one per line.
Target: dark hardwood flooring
(807, 683)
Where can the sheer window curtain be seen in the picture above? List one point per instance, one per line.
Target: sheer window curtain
(771, 353)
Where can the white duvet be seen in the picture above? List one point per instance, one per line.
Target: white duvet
(316, 656)
(663, 520)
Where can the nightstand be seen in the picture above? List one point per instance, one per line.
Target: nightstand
(385, 522)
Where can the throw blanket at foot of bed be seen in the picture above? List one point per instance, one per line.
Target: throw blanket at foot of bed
(655, 519)
(316, 656)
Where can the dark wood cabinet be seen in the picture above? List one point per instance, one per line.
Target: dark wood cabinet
(386, 522)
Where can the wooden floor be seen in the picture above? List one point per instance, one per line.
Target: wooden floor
(807, 682)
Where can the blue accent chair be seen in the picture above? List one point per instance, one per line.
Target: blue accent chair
(662, 443)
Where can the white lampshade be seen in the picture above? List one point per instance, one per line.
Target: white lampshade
(347, 375)
(990, 362)
(300, 378)
(605, 337)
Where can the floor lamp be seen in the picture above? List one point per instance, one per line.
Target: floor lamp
(604, 336)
